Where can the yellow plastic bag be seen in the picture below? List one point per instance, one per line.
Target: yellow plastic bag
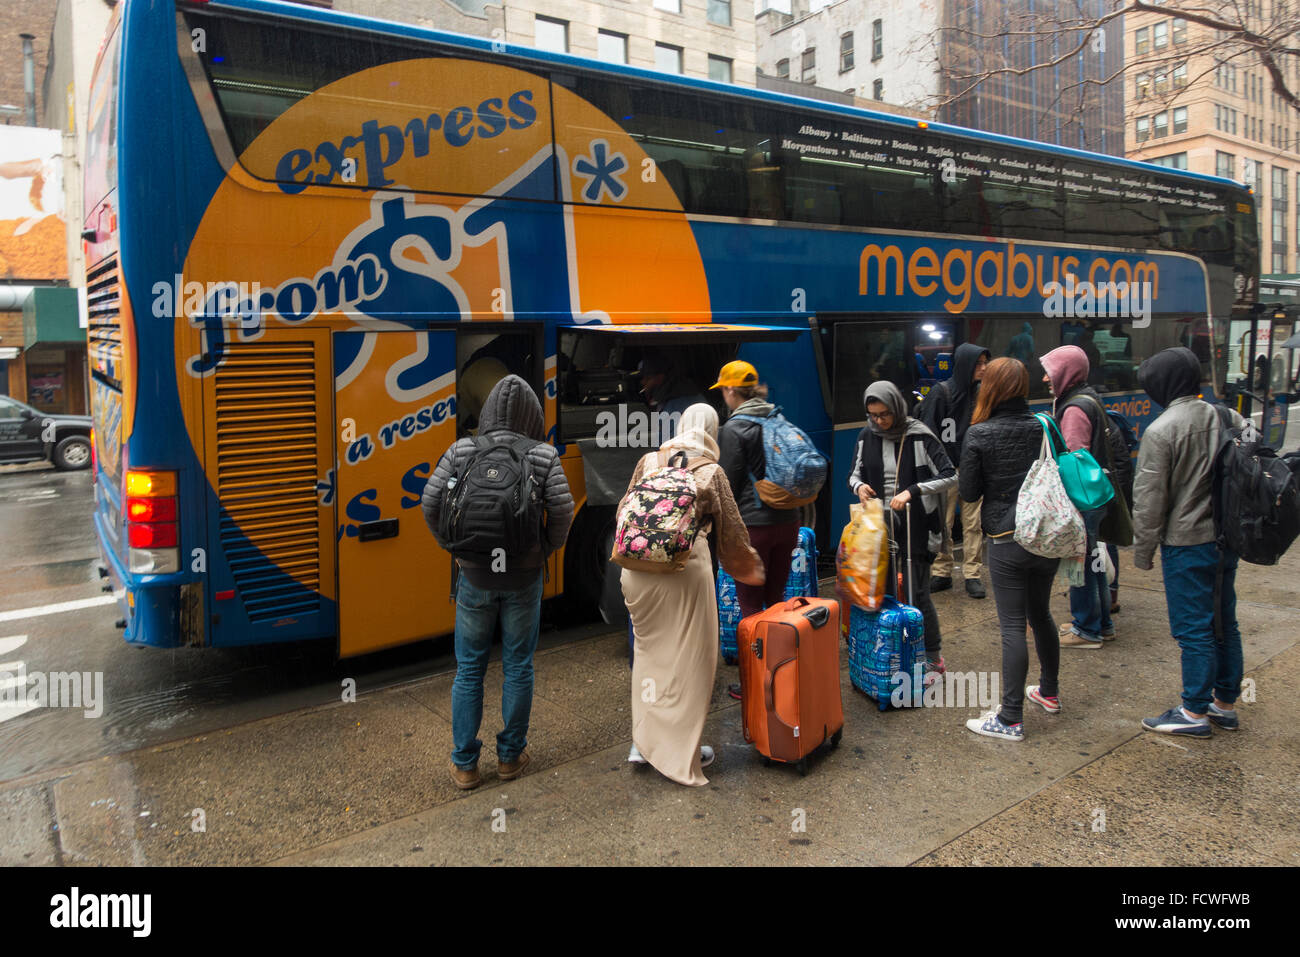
(862, 560)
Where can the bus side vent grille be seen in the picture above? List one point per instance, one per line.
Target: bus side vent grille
(103, 298)
(265, 405)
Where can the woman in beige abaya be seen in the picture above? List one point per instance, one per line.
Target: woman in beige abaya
(675, 614)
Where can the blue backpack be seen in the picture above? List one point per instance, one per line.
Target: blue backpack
(796, 471)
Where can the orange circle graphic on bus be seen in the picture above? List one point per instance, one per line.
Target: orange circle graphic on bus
(427, 189)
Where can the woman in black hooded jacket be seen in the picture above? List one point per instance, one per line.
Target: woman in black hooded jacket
(1003, 442)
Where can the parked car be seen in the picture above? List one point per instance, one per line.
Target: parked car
(30, 435)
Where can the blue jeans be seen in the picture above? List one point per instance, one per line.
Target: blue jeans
(1114, 560)
(476, 619)
(1209, 666)
(1090, 602)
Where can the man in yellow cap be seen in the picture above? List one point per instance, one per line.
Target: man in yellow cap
(773, 532)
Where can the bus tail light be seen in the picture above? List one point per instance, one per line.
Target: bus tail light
(152, 527)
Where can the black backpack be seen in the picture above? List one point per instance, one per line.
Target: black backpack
(492, 501)
(1256, 496)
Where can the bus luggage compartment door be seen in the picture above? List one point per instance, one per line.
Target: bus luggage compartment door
(395, 414)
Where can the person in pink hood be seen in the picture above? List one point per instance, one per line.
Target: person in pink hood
(1082, 418)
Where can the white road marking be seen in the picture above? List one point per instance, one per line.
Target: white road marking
(18, 679)
(19, 614)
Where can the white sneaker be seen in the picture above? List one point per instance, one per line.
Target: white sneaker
(706, 755)
(634, 756)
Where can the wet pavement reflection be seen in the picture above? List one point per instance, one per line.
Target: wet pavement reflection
(48, 556)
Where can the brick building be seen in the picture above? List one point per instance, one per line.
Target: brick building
(1196, 104)
(35, 17)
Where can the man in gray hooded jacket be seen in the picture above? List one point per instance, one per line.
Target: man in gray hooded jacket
(513, 594)
(1173, 508)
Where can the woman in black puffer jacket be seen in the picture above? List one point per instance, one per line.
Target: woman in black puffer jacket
(1003, 442)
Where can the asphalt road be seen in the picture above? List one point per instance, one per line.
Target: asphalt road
(49, 557)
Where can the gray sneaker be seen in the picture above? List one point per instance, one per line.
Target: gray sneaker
(1227, 720)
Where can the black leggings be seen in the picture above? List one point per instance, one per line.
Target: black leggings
(1022, 588)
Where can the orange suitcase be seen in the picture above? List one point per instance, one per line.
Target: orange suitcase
(790, 679)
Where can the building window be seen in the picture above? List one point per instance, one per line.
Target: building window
(1173, 161)
(1142, 40)
(808, 66)
(1160, 35)
(846, 52)
(1160, 124)
(1143, 129)
(611, 47)
(668, 59)
(1180, 31)
(1161, 82)
(1180, 119)
(1143, 85)
(719, 12)
(1225, 165)
(719, 69)
(551, 34)
(672, 6)
(1180, 75)
(877, 40)
(783, 68)
(878, 89)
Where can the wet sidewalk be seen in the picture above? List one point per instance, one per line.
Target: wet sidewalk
(367, 782)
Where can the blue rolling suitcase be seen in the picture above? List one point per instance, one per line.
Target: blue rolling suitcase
(887, 643)
(802, 583)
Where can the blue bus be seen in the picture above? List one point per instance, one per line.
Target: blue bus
(315, 240)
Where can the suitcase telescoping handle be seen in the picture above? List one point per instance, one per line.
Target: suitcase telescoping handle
(907, 517)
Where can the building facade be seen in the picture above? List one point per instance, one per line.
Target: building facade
(954, 61)
(42, 343)
(867, 50)
(1195, 103)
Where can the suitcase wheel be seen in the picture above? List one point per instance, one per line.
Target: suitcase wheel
(803, 767)
(767, 762)
(835, 738)
(729, 659)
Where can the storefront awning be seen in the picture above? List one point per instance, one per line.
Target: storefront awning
(51, 315)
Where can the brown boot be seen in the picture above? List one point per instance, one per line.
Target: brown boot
(509, 770)
(465, 780)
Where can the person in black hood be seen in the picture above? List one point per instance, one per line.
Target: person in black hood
(947, 411)
(1173, 507)
(508, 587)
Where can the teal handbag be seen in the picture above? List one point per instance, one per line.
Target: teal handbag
(1086, 482)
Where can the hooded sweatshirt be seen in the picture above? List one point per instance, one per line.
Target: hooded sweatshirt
(1067, 368)
(905, 457)
(954, 399)
(511, 411)
(1170, 375)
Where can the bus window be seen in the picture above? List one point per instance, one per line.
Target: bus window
(485, 358)
(866, 352)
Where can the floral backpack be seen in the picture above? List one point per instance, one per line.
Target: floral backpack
(657, 522)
